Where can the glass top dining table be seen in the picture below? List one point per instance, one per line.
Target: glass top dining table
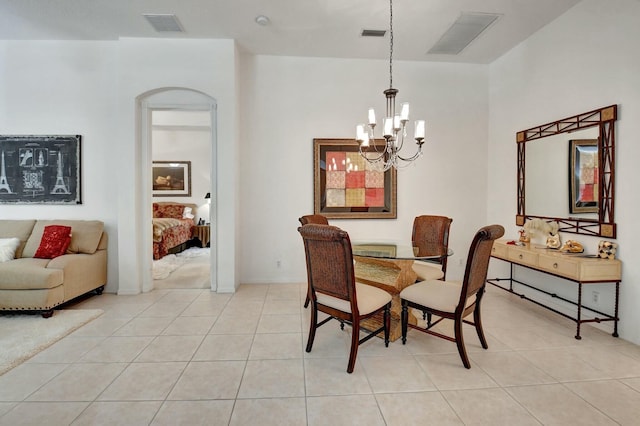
(391, 249)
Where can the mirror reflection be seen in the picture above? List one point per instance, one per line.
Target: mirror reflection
(547, 175)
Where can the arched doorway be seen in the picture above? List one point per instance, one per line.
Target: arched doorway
(179, 100)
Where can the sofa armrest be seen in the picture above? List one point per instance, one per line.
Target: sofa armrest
(82, 272)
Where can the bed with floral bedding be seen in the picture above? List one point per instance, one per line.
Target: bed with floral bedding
(172, 227)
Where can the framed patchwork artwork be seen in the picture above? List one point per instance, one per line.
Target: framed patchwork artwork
(346, 186)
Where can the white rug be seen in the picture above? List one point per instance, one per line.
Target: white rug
(192, 270)
(24, 335)
(162, 268)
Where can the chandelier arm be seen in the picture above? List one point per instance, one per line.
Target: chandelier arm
(415, 156)
(363, 154)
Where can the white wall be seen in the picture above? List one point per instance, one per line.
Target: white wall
(286, 102)
(207, 66)
(58, 87)
(584, 60)
(90, 88)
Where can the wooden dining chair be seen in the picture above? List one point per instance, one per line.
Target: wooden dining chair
(319, 220)
(454, 300)
(333, 289)
(431, 236)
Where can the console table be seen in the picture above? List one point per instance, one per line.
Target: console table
(579, 269)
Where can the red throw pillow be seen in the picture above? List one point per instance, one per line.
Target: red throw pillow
(55, 242)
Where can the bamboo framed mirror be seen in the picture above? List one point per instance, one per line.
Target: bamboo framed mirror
(543, 190)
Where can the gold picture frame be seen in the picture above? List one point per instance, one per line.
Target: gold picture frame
(347, 186)
(171, 178)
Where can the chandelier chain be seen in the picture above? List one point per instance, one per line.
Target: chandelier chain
(391, 44)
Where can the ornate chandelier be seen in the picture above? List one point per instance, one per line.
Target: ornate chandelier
(394, 124)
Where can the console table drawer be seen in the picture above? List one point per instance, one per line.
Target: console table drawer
(523, 257)
(559, 266)
(499, 250)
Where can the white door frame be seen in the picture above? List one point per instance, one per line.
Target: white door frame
(177, 99)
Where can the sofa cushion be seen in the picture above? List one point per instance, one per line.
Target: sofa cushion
(29, 274)
(17, 228)
(54, 243)
(8, 247)
(85, 236)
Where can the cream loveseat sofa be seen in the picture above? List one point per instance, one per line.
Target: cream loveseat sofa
(32, 284)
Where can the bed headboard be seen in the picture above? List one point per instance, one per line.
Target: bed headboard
(194, 207)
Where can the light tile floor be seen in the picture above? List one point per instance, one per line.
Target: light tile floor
(192, 357)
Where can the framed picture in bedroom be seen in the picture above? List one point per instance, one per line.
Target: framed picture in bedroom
(40, 169)
(171, 178)
(347, 186)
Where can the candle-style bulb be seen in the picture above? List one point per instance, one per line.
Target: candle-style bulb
(359, 132)
(404, 111)
(419, 129)
(372, 116)
(365, 139)
(388, 127)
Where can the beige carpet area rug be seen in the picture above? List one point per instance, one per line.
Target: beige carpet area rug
(24, 335)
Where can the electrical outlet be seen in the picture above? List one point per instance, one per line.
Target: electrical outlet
(278, 264)
(595, 297)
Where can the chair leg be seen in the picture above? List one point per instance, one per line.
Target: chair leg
(460, 343)
(478, 323)
(404, 320)
(355, 338)
(387, 323)
(306, 302)
(313, 326)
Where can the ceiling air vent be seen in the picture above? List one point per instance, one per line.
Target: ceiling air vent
(164, 23)
(464, 30)
(373, 33)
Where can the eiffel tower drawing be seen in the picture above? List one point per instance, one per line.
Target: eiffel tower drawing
(3, 178)
(60, 187)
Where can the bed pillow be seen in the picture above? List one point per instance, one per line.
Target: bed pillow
(8, 247)
(187, 213)
(174, 211)
(55, 241)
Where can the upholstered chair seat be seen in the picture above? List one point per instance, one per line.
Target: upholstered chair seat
(427, 271)
(369, 299)
(438, 295)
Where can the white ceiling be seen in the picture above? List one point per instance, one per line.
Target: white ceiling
(321, 28)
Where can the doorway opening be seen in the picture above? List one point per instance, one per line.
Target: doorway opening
(178, 129)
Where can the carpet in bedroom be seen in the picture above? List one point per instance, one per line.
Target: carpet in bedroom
(188, 269)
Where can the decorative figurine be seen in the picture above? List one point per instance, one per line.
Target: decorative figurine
(607, 249)
(553, 241)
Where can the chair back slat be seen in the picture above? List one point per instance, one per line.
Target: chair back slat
(475, 274)
(431, 236)
(329, 260)
(313, 218)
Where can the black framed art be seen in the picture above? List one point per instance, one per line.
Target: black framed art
(40, 169)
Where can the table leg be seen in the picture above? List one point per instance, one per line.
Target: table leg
(393, 276)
